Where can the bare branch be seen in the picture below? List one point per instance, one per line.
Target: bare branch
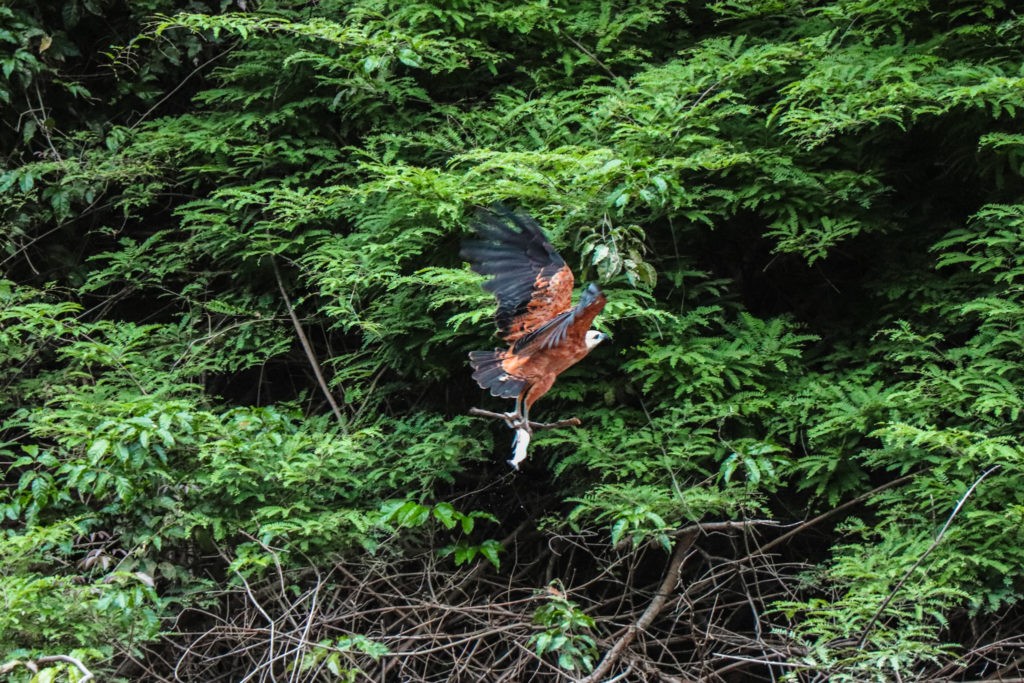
(306, 346)
(682, 548)
(535, 426)
(829, 513)
(727, 525)
(49, 659)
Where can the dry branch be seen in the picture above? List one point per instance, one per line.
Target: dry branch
(306, 346)
(535, 426)
(32, 665)
(686, 537)
(683, 546)
(727, 525)
(828, 513)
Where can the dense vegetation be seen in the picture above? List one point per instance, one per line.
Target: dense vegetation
(234, 326)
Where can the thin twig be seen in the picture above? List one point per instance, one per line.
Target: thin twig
(825, 515)
(739, 663)
(270, 622)
(754, 660)
(297, 668)
(933, 546)
(535, 426)
(592, 56)
(180, 85)
(306, 346)
(621, 676)
(727, 525)
(48, 659)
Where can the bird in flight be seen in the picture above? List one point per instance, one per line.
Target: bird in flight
(545, 332)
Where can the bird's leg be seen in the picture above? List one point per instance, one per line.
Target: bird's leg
(514, 418)
(525, 422)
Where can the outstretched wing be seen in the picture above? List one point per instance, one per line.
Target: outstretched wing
(574, 322)
(531, 281)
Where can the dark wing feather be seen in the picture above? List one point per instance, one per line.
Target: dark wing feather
(490, 373)
(530, 280)
(575, 321)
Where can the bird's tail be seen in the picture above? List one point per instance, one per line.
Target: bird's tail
(489, 373)
(519, 445)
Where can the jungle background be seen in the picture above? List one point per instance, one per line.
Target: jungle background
(234, 327)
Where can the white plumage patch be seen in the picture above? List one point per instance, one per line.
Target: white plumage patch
(593, 338)
(519, 445)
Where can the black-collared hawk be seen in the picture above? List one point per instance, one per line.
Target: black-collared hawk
(545, 332)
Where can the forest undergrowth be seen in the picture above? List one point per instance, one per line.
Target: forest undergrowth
(234, 326)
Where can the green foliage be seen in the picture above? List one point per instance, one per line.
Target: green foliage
(399, 514)
(808, 218)
(334, 655)
(87, 616)
(566, 635)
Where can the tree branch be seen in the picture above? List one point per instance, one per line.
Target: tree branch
(727, 525)
(31, 665)
(687, 538)
(306, 346)
(828, 513)
(535, 426)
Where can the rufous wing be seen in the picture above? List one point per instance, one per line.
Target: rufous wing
(530, 279)
(572, 323)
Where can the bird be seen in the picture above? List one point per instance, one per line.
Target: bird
(545, 333)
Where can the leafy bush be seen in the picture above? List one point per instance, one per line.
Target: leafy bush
(233, 327)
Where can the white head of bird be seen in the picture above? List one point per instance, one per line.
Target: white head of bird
(593, 338)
